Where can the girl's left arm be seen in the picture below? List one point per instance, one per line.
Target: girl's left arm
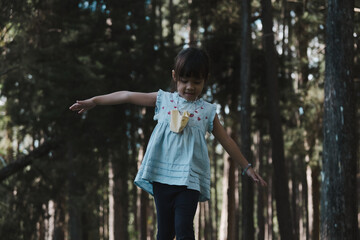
(233, 150)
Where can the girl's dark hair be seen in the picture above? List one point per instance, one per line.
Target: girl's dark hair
(192, 62)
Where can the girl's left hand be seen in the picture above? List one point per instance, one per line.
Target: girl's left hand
(256, 177)
(82, 106)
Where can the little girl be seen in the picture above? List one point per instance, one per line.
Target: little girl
(176, 165)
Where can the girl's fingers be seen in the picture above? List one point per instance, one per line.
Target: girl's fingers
(262, 181)
(75, 106)
(256, 177)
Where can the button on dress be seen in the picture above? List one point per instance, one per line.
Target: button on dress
(178, 158)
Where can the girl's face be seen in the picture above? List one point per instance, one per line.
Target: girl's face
(189, 88)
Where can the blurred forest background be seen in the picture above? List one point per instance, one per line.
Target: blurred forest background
(70, 176)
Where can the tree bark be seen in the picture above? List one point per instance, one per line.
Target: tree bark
(214, 183)
(223, 230)
(261, 203)
(280, 172)
(74, 205)
(302, 39)
(248, 230)
(111, 202)
(170, 37)
(231, 199)
(60, 229)
(338, 200)
(120, 198)
(193, 24)
(315, 173)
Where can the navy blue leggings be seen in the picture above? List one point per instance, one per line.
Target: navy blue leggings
(175, 207)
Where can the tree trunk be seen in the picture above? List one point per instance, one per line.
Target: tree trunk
(294, 168)
(193, 24)
(215, 180)
(223, 230)
(208, 221)
(338, 200)
(261, 203)
(120, 198)
(315, 174)
(170, 37)
(280, 172)
(302, 46)
(248, 230)
(59, 231)
(231, 200)
(144, 198)
(197, 222)
(75, 206)
(111, 202)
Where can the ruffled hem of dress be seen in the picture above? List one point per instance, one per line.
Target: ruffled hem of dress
(146, 185)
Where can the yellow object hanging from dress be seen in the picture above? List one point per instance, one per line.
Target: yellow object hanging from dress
(178, 122)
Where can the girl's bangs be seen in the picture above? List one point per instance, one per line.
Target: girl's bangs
(193, 68)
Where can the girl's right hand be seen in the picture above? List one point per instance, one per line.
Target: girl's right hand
(82, 106)
(256, 177)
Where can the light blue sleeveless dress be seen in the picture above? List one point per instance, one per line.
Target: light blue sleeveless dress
(178, 158)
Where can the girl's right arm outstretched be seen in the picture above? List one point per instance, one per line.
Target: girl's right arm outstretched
(143, 99)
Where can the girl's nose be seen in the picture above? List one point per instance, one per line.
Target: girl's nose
(190, 86)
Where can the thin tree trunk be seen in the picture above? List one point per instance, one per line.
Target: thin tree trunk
(139, 213)
(203, 223)
(269, 233)
(111, 202)
(309, 202)
(59, 231)
(294, 195)
(223, 230)
(338, 190)
(303, 43)
(142, 204)
(208, 220)
(150, 213)
(121, 202)
(197, 222)
(304, 215)
(215, 180)
(261, 193)
(280, 172)
(171, 23)
(231, 200)
(144, 196)
(315, 174)
(75, 206)
(143, 214)
(248, 230)
(193, 24)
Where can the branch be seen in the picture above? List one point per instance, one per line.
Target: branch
(26, 160)
(8, 70)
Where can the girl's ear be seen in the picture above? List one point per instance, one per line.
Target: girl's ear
(173, 75)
